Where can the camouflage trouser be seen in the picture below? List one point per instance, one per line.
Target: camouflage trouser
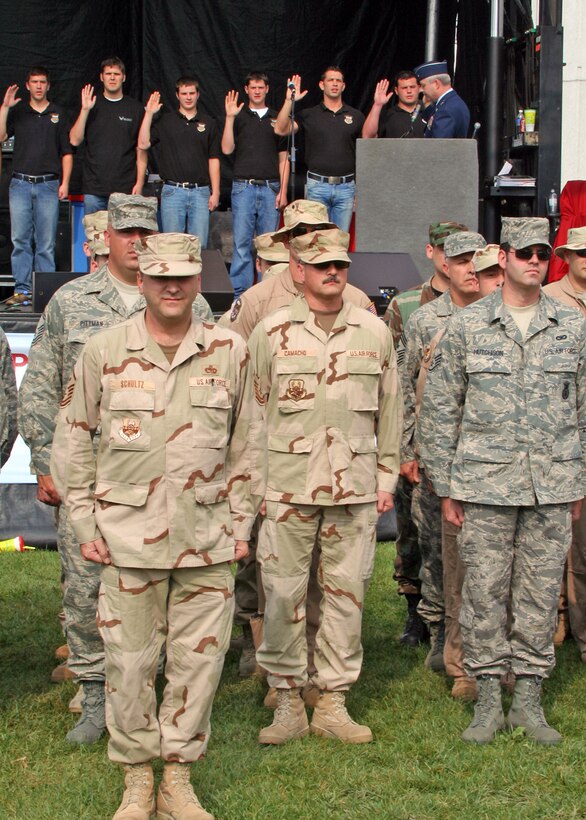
(454, 572)
(347, 538)
(427, 516)
(80, 602)
(408, 558)
(516, 554)
(577, 582)
(250, 599)
(190, 610)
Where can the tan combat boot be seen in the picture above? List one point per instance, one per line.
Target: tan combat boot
(331, 719)
(290, 720)
(138, 800)
(271, 699)
(176, 799)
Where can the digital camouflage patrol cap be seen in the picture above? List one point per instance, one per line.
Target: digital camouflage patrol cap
(132, 211)
(329, 245)
(486, 258)
(169, 254)
(438, 231)
(270, 249)
(463, 242)
(95, 226)
(576, 241)
(522, 232)
(304, 212)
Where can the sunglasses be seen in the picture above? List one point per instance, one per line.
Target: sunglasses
(525, 254)
(581, 253)
(338, 264)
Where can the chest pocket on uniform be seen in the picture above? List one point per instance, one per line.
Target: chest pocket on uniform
(210, 415)
(131, 417)
(297, 381)
(486, 385)
(363, 381)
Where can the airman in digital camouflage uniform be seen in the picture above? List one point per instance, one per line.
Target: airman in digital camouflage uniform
(77, 311)
(163, 506)
(408, 558)
(414, 355)
(326, 388)
(8, 428)
(505, 452)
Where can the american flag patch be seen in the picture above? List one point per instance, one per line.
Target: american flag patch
(372, 308)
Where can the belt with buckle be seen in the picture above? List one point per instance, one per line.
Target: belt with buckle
(189, 185)
(33, 180)
(330, 180)
(261, 182)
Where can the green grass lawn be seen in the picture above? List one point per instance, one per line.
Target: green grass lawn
(416, 768)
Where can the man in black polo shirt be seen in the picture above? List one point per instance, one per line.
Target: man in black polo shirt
(109, 123)
(189, 160)
(261, 172)
(41, 154)
(403, 119)
(331, 130)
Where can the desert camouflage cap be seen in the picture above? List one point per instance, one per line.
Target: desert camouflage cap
(95, 226)
(521, 232)
(463, 242)
(270, 249)
(304, 212)
(132, 211)
(486, 258)
(438, 231)
(576, 241)
(329, 245)
(169, 254)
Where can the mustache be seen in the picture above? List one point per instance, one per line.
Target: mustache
(332, 278)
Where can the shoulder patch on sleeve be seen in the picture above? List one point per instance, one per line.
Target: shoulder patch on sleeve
(235, 310)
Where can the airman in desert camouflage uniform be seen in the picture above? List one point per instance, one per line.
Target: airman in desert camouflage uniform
(326, 387)
(408, 558)
(272, 255)
(571, 290)
(95, 226)
(8, 428)
(255, 304)
(77, 311)
(505, 403)
(414, 356)
(163, 505)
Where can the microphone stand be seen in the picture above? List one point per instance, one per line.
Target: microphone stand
(292, 148)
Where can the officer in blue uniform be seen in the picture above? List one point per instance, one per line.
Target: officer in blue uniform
(448, 116)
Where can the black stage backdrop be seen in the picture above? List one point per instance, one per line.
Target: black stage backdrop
(219, 41)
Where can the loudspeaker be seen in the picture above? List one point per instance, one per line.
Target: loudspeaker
(383, 275)
(216, 286)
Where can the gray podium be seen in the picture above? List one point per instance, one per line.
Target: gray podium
(404, 185)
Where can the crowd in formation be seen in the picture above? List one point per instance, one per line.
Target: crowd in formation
(173, 445)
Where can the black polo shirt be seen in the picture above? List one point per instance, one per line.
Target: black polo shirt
(111, 134)
(40, 140)
(256, 155)
(330, 139)
(396, 123)
(185, 146)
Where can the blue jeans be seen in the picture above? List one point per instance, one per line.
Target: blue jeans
(34, 214)
(339, 200)
(186, 206)
(93, 203)
(253, 212)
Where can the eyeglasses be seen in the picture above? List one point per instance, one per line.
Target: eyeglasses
(581, 253)
(525, 254)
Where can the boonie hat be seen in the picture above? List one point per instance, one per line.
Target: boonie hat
(303, 212)
(576, 241)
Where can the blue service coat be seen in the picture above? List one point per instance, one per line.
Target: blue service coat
(448, 118)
